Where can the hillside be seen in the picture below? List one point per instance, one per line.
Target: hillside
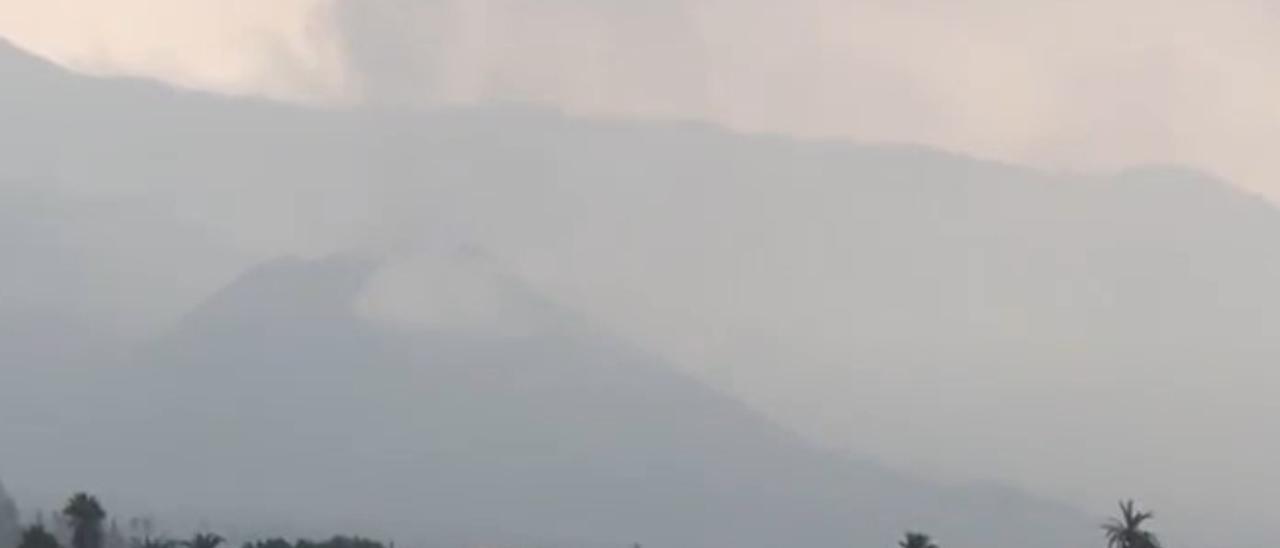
(556, 436)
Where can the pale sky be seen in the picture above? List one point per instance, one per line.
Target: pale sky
(1081, 85)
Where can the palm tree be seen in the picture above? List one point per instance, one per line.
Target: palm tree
(86, 517)
(1127, 531)
(37, 536)
(917, 540)
(204, 540)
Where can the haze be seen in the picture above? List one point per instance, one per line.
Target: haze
(1077, 85)
(1015, 253)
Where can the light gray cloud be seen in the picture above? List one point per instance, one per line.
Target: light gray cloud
(274, 48)
(1079, 85)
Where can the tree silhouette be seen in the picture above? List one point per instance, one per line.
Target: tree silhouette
(85, 515)
(204, 540)
(37, 536)
(114, 538)
(141, 527)
(917, 540)
(10, 531)
(339, 541)
(149, 542)
(269, 543)
(1127, 531)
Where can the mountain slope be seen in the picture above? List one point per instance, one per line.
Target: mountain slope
(547, 437)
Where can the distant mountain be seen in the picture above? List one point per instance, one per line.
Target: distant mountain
(277, 394)
(1085, 333)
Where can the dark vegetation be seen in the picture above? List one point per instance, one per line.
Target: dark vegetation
(83, 523)
(80, 524)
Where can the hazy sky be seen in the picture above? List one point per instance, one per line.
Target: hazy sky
(1083, 84)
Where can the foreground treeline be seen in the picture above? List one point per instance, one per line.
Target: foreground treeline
(82, 523)
(1124, 531)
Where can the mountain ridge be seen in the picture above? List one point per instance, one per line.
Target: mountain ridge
(572, 417)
